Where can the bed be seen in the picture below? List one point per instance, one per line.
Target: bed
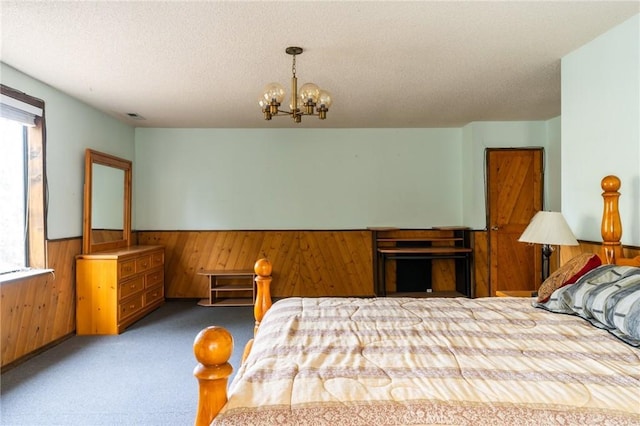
(568, 356)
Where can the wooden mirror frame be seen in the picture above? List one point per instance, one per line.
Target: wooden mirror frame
(94, 157)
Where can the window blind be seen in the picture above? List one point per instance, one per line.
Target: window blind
(14, 109)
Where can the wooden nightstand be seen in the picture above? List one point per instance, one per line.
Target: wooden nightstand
(516, 293)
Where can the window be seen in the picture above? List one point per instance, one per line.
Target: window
(22, 206)
(13, 246)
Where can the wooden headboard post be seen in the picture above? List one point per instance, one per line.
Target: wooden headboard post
(611, 228)
(611, 251)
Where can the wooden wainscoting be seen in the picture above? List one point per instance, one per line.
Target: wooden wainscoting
(481, 264)
(558, 258)
(305, 263)
(568, 252)
(40, 310)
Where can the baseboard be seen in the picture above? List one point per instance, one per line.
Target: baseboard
(16, 362)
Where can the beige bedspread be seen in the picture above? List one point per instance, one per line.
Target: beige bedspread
(498, 361)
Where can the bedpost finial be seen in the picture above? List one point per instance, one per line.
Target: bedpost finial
(610, 183)
(213, 346)
(262, 267)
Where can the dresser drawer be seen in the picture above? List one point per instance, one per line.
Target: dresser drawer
(153, 295)
(153, 278)
(129, 306)
(143, 263)
(126, 268)
(157, 259)
(127, 288)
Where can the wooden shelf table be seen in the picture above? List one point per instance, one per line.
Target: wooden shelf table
(229, 282)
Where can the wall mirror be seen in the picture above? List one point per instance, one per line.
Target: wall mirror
(107, 202)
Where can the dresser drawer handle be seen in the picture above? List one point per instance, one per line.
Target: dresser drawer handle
(132, 306)
(133, 286)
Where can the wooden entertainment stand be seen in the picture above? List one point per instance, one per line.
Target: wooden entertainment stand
(441, 243)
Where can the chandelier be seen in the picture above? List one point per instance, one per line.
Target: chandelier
(302, 102)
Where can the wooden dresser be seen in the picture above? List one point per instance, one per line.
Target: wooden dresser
(115, 288)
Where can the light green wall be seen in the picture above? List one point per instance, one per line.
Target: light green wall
(297, 179)
(319, 179)
(601, 130)
(72, 126)
(553, 166)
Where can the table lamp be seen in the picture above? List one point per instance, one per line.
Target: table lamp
(548, 229)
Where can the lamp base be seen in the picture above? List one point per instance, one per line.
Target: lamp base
(546, 254)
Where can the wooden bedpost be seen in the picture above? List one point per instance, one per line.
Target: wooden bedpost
(612, 250)
(611, 228)
(263, 269)
(212, 347)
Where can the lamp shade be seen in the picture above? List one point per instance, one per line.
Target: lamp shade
(549, 228)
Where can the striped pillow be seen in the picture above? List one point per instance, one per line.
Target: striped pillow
(608, 297)
(615, 305)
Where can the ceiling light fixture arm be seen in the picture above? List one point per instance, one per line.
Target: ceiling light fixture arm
(303, 101)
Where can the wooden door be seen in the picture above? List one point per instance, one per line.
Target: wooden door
(514, 191)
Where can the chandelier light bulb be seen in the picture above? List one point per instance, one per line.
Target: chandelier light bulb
(309, 92)
(274, 91)
(263, 102)
(324, 99)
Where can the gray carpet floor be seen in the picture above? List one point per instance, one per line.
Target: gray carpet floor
(143, 376)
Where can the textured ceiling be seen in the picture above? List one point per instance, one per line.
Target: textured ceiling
(387, 64)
